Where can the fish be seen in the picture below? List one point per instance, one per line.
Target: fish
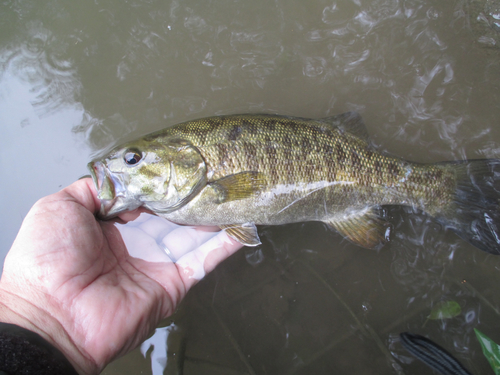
(240, 171)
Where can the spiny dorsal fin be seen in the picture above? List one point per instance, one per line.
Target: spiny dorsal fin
(365, 228)
(239, 186)
(245, 234)
(351, 122)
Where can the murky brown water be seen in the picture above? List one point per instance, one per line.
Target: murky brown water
(425, 75)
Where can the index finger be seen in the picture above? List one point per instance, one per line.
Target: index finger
(194, 265)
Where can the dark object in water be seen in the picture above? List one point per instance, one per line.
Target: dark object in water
(432, 354)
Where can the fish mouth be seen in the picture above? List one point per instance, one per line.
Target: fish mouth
(111, 192)
(103, 183)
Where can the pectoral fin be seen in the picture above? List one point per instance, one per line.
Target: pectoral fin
(239, 186)
(365, 228)
(245, 234)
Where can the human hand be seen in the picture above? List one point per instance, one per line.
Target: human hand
(71, 279)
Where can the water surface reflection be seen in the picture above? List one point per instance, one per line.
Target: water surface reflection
(39, 90)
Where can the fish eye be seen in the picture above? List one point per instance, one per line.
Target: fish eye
(132, 156)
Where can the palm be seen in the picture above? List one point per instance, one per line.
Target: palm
(106, 300)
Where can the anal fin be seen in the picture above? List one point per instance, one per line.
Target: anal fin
(365, 228)
(245, 234)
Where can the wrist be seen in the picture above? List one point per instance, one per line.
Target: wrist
(25, 314)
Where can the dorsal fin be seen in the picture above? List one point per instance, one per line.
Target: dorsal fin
(350, 122)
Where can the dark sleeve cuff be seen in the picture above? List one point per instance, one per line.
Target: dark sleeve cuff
(25, 352)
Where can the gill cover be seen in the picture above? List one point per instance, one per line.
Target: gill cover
(188, 176)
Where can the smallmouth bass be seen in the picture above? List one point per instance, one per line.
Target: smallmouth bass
(239, 171)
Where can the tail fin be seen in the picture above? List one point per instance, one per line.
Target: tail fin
(475, 214)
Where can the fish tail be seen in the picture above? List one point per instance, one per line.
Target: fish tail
(474, 212)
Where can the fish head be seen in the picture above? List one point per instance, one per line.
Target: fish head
(160, 174)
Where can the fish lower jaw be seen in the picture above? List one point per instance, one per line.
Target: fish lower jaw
(112, 208)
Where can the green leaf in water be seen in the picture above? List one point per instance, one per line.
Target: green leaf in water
(445, 310)
(491, 350)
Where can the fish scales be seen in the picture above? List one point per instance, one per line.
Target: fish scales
(291, 152)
